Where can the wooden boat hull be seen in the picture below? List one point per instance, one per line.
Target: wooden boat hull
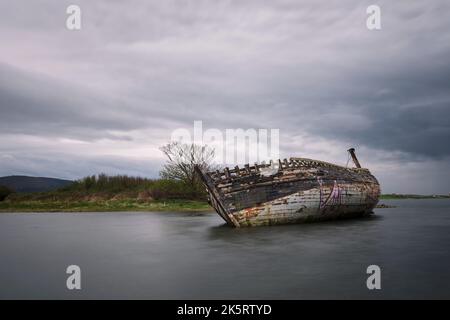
(305, 206)
(301, 190)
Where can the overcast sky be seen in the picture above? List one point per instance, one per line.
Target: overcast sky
(104, 98)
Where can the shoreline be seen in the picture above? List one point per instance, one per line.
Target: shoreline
(133, 205)
(105, 206)
(411, 196)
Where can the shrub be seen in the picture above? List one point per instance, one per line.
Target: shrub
(156, 188)
(4, 192)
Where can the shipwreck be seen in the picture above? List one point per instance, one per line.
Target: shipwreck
(290, 191)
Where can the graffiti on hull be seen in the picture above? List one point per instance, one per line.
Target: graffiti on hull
(333, 199)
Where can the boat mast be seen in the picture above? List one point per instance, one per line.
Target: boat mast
(355, 159)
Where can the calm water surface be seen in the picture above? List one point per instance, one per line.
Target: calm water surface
(194, 256)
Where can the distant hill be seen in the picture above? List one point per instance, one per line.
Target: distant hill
(33, 184)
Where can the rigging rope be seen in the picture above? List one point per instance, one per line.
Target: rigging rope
(348, 159)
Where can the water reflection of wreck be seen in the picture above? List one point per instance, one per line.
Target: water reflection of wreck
(290, 191)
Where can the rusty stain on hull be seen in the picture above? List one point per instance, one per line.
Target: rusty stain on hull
(298, 190)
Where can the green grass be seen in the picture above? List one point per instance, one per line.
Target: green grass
(103, 206)
(412, 196)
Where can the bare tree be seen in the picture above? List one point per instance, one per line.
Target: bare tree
(182, 159)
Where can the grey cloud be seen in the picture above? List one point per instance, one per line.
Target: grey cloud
(37, 104)
(309, 68)
(72, 166)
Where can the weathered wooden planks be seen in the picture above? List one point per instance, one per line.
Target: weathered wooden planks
(299, 190)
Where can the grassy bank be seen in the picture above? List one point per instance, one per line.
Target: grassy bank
(106, 193)
(104, 206)
(412, 196)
